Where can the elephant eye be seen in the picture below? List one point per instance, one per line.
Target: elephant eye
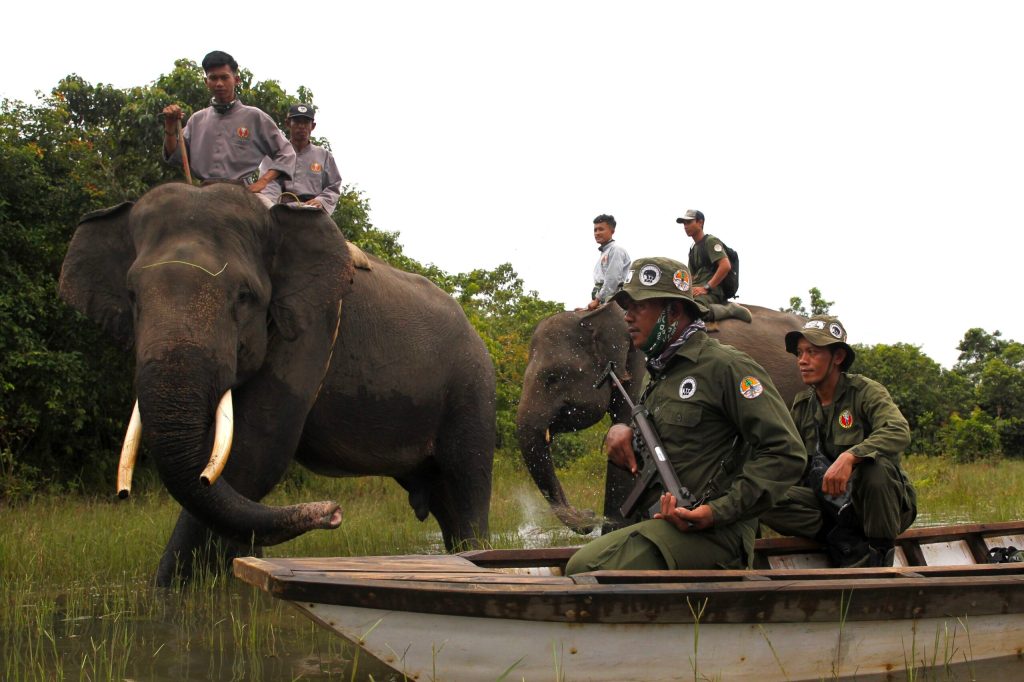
(246, 296)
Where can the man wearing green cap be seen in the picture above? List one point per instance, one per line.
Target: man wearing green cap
(855, 496)
(712, 270)
(724, 427)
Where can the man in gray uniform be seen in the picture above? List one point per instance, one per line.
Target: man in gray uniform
(228, 139)
(317, 180)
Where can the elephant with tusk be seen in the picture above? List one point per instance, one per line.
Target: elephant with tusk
(245, 359)
(568, 353)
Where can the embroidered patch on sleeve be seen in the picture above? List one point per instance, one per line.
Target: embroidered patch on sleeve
(751, 387)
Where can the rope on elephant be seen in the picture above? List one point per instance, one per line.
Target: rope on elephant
(185, 262)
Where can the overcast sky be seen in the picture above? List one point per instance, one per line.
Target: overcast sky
(872, 149)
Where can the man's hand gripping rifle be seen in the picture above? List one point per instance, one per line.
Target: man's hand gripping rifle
(652, 453)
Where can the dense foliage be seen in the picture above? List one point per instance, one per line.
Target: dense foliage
(65, 389)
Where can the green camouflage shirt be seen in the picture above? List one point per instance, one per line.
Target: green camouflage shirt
(704, 255)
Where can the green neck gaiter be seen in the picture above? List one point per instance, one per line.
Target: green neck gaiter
(660, 335)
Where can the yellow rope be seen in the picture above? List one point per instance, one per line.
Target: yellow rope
(183, 262)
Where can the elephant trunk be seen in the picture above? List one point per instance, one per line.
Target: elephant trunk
(535, 444)
(178, 424)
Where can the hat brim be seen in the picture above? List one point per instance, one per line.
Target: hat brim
(696, 309)
(793, 338)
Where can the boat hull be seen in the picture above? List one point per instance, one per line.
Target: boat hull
(437, 647)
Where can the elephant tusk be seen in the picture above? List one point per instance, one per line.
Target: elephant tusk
(547, 436)
(221, 441)
(129, 451)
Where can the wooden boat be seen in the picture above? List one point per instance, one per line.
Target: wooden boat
(510, 614)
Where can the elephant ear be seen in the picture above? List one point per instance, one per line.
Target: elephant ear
(608, 335)
(93, 276)
(311, 270)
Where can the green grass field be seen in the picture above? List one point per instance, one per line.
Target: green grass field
(76, 603)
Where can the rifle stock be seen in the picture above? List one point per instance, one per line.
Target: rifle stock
(654, 462)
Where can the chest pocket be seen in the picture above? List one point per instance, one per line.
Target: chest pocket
(681, 415)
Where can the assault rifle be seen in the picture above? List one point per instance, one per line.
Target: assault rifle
(652, 455)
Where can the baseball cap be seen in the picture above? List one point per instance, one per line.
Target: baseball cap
(690, 215)
(301, 111)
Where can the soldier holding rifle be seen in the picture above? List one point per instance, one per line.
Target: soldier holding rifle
(723, 426)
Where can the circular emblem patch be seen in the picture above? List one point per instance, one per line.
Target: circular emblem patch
(243, 133)
(718, 248)
(649, 275)
(687, 388)
(835, 330)
(315, 167)
(681, 279)
(846, 419)
(751, 387)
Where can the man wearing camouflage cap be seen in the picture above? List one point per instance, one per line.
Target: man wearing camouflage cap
(725, 430)
(855, 496)
(316, 181)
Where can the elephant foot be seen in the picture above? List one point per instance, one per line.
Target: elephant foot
(581, 521)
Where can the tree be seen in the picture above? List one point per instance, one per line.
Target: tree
(994, 368)
(819, 306)
(925, 392)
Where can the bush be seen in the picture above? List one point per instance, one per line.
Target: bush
(972, 439)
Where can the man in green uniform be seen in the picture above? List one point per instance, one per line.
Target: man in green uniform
(855, 496)
(710, 265)
(724, 427)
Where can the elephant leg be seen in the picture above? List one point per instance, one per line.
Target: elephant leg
(465, 456)
(193, 550)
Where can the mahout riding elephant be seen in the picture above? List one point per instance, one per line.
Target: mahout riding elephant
(272, 321)
(568, 354)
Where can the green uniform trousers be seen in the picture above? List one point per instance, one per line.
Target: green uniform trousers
(882, 498)
(657, 545)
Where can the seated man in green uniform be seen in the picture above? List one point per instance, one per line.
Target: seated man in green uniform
(855, 496)
(710, 266)
(724, 427)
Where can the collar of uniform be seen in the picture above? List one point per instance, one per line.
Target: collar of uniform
(606, 245)
(691, 349)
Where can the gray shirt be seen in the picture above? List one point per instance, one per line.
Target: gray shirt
(316, 174)
(230, 146)
(610, 270)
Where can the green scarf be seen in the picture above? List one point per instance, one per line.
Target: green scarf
(660, 335)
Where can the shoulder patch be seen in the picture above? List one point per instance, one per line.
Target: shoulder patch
(687, 388)
(751, 387)
(718, 248)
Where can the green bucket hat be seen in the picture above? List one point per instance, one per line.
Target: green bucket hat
(659, 278)
(823, 330)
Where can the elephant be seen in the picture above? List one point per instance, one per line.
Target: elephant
(268, 320)
(568, 355)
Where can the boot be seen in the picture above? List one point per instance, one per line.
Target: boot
(723, 311)
(739, 312)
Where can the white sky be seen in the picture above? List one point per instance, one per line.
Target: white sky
(872, 149)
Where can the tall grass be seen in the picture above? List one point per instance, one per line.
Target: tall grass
(76, 601)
